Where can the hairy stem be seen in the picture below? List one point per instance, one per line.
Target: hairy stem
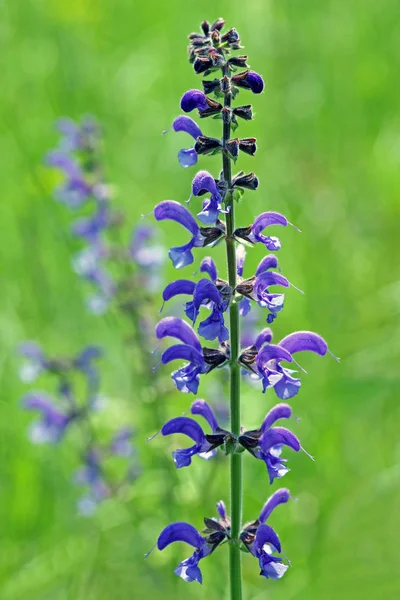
(236, 459)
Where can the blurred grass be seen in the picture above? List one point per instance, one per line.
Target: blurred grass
(328, 158)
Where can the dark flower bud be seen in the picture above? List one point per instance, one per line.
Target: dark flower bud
(214, 357)
(216, 439)
(216, 38)
(197, 41)
(205, 27)
(233, 148)
(244, 112)
(231, 36)
(248, 145)
(211, 86)
(202, 64)
(248, 356)
(246, 286)
(238, 61)
(212, 234)
(207, 145)
(225, 85)
(218, 59)
(218, 24)
(249, 181)
(226, 115)
(250, 439)
(242, 233)
(213, 108)
(224, 289)
(249, 80)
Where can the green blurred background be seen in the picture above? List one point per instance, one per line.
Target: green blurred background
(328, 129)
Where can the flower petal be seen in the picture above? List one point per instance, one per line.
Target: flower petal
(204, 292)
(173, 211)
(280, 411)
(264, 337)
(266, 219)
(255, 82)
(187, 157)
(182, 352)
(279, 435)
(186, 426)
(180, 532)
(208, 266)
(281, 496)
(193, 99)
(273, 351)
(304, 340)
(180, 286)
(179, 329)
(187, 125)
(266, 535)
(268, 262)
(202, 408)
(204, 182)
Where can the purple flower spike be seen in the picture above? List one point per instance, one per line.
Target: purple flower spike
(208, 266)
(188, 569)
(281, 496)
(193, 99)
(191, 429)
(173, 211)
(187, 157)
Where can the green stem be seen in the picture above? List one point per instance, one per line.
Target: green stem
(236, 459)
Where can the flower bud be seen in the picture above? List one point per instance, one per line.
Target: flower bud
(249, 80)
(211, 86)
(248, 145)
(244, 112)
(207, 145)
(218, 24)
(250, 181)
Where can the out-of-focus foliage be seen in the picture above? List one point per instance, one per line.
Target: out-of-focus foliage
(328, 158)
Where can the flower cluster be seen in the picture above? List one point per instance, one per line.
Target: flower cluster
(68, 408)
(230, 300)
(114, 269)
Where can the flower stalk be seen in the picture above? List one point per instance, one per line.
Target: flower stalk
(234, 379)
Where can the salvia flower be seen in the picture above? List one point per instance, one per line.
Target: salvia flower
(266, 443)
(253, 233)
(204, 183)
(187, 156)
(262, 541)
(204, 543)
(90, 475)
(182, 255)
(205, 444)
(249, 80)
(270, 356)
